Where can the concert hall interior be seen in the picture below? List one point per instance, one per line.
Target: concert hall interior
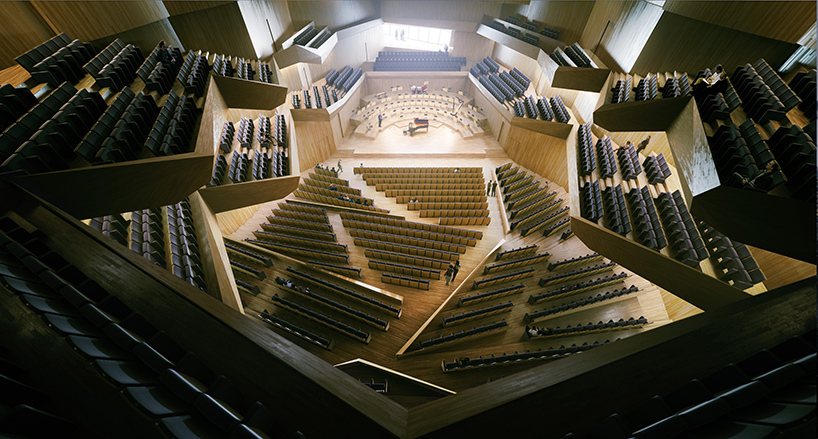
(376, 218)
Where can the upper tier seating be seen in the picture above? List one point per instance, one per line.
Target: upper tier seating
(417, 61)
(57, 60)
(115, 66)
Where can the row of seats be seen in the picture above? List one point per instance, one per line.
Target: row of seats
(336, 306)
(607, 160)
(158, 76)
(476, 234)
(532, 202)
(576, 274)
(741, 151)
(465, 363)
(575, 304)
(226, 138)
(335, 288)
(113, 226)
(406, 249)
(480, 330)
(554, 227)
(406, 281)
(462, 317)
(680, 229)
(79, 51)
(484, 67)
(577, 55)
(14, 103)
(656, 168)
(314, 315)
(300, 241)
(621, 91)
(516, 33)
(766, 395)
(501, 278)
(408, 240)
(518, 262)
(298, 331)
(306, 35)
(795, 152)
(628, 162)
(616, 210)
(646, 225)
(733, 259)
(241, 252)
(410, 270)
(519, 86)
(647, 88)
(186, 259)
(336, 268)
(803, 84)
(244, 70)
(239, 268)
(120, 132)
(545, 218)
(585, 150)
(411, 232)
(148, 235)
(491, 294)
(43, 139)
(595, 327)
(172, 132)
(777, 85)
(193, 73)
(760, 103)
(575, 261)
(321, 38)
(536, 216)
(115, 66)
(496, 87)
(223, 66)
(591, 198)
(577, 288)
(155, 373)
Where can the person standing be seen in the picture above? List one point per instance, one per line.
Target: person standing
(455, 269)
(488, 189)
(448, 274)
(642, 145)
(380, 118)
(340, 169)
(493, 188)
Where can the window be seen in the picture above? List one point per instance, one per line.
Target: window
(416, 37)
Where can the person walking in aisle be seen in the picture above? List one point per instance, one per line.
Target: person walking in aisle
(455, 269)
(340, 169)
(493, 188)
(380, 118)
(448, 274)
(642, 145)
(488, 189)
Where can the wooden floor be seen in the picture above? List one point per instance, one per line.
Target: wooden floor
(445, 147)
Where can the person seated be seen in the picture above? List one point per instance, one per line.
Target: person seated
(712, 84)
(332, 187)
(533, 332)
(762, 180)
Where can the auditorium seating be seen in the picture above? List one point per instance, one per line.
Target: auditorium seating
(335, 288)
(156, 375)
(575, 261)
(193, 74)
(43, 139)
(646, 226)
(803, 84)
(585, 153)
(558, 310)
(157, 76)
(576, 274)
(616, 210)
(741, 150)
(14, 103)
(733, 260)
(406, 281)
(607, 162)
(148, 235)
(466, 363)
(514, 263)
(335, 306)
(537, 217)
(184, 245)
(113, 226)
(795, 152)
(591, 328)
(292, 328)
(461, 335)
(312, 314)
(656, 168)
(591, 198)
(503, 278)
(621, 91)
(768, 394)
(115, 66)
(246, 270)
(577, 288)
(57, 60)
(456, 319)
(647, 88)
(760, 102)
(680, 228)
(629, 165)
(237, 251)
(417, 61)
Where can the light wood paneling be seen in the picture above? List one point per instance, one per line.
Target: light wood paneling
(471, 45)
(253, 95)
(21, 29)
(543, 154)
(672, 46)
(658, 141)
(90, 21)
(694, 164)
(14, 75)
(779, 20)
(183, 7)
(238, 195)
(377, 82)
(231, 220)
(316, 143)
(779, 269)
(568, 17)
(145, 37)
(624, 28)
(220, 30)
(335, 14)
(258, 16)
(449, 10)
(350, 51)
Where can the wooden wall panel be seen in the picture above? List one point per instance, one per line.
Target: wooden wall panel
(658, 140)
(568, 17)
(21, 29)
(351, 51)
(779, 20)
(448, 10)
(230, 221)
(316, 143)
(376, 84)
(624, 28)
(145, 37)
(183, 7)
(335, 14)
(542, 154)
(779, 269)
(90, 21)
(220, 30)
(471, 45)
(257, 16)
(672, 47)
(290, 77)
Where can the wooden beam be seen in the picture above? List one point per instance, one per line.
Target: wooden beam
(234, 196)
(652, 115)
(253, 95)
